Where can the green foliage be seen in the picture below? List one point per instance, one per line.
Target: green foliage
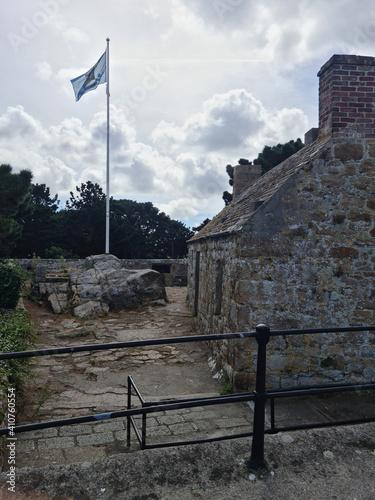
(137, 230)
(269, 158)
(272, 156)
(16, 334)
(40, 227)
(202, 224)
(140, 231)
(227, 196)
(59, 253)
(12, 277)
(14, 200)
(226, 389)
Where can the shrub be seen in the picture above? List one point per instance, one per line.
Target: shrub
(12, 277)
(16, 334)
(226, 389)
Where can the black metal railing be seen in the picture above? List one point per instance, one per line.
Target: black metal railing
(260, 396)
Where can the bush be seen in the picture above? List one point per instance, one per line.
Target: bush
(12, 277)
(16, 334)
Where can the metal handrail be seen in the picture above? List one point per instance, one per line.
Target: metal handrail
(260, 396)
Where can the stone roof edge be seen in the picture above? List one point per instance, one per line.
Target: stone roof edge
(220, 234)
(316, 147)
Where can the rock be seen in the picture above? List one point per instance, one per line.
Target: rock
(102, 285)
(90, 309)
(103, 262)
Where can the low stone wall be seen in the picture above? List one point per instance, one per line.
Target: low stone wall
(174, 271)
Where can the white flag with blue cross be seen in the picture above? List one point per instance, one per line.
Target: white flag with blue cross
(91, 79)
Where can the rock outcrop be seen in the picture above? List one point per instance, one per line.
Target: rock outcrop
(102, 284)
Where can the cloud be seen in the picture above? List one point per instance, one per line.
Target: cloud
(73, 34)
(285, 33)
(222, 14)
(230, 123)
(43, 70)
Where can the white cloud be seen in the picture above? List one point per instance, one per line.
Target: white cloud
(75, 35)
(230, 123)
(205, 82)
(43, 70)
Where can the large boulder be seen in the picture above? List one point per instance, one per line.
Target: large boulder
(103, 285)
(103, 279)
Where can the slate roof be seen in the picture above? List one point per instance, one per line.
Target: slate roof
(232, 218)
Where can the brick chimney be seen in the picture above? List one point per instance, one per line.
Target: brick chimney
(347, 96)
(244, 176)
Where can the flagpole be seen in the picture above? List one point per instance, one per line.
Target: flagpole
(107, 209)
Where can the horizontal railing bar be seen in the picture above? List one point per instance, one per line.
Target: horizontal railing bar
(123, 413)
(314, 391)
(250, 397)
(174, 340)
(363, 386)
(198, 441)
(121, 345)
(333, 423)
(305, 331)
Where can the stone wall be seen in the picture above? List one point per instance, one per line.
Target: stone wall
(305, 259)
(304, 256)
(174, 271)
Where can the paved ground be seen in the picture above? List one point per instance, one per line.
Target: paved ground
(329, 464)
(91, 461)
(72, 385)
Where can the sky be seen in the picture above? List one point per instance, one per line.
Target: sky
(194, 86)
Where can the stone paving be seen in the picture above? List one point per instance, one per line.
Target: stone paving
(72, 385)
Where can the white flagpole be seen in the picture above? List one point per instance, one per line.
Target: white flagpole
(107, 209)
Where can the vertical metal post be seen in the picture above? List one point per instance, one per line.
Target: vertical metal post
(143, 444)
(129, 405)
(107, 199)
(257, 461)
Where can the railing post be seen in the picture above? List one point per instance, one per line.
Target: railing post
(129, 405)
(257, 461)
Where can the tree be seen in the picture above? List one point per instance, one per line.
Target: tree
(40, 227)
(227, 196)
(272, 156)
(140, 231)
(14, 199)
(269, 158)
(137, 230)
(83, 222)
(204, 223)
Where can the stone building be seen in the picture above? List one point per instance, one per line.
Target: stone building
(296, 246)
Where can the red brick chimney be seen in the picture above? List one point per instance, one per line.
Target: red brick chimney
(347, 96)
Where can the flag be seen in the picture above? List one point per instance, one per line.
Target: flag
(90, 80)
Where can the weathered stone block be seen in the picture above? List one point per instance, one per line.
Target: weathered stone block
(344, 253)
(348, 151)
